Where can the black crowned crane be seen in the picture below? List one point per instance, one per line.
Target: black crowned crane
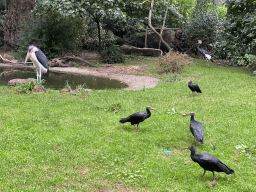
(193, 87)
(138, 117)
(209, 162)
(196, 128)
(205, 53)
(39, 60)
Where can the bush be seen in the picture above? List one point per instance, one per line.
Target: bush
(173, 62)
(112, 54)
(237, 41)
(2, 20)
(53, 34)
(202, 25)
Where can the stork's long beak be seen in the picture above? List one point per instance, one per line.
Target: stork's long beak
(185, 148)
(28, 55)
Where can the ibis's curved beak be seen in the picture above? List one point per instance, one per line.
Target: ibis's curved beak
(185, 148)
(186, 114)
(27, 57)
(154, 109)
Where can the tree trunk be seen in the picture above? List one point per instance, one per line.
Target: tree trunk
(153, 29)
(17, 11)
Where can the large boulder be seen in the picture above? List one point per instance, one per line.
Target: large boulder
(173, 37)
(13, 82)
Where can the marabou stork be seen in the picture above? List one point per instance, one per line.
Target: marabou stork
(193, 87)
(39, 60)
(196, 128)
(205, 53)
(209, 162)
(138, 117)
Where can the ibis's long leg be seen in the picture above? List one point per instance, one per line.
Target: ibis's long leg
(204, 173)
(213, 175)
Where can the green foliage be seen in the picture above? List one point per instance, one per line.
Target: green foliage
(2, 20)
(53, 33)
(201, 26)
(112, 54)
(173, 62)
(28, 87)
(237, 40)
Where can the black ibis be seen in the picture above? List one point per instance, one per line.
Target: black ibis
(138, 117)
(193, 87)
(39, 60)
(209, 162)
(196, 128)
(205, 53)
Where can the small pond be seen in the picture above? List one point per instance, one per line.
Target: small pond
(58, 81)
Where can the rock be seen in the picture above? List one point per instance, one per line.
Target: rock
(38, 88)
(173, 37)
(88, 90)
(65, 90)
(13, 82)
(58, 62)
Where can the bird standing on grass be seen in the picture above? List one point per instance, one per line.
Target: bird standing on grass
(209, 162)
(196, 128)
(205, 53)
(193, 87)
(138, 117)
(39, 60)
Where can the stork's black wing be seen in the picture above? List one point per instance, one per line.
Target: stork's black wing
(41, 57)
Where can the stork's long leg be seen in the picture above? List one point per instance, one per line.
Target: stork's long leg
(38, 74)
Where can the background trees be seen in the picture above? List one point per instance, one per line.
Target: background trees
(236, 41)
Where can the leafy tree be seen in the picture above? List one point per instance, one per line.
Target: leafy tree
(94, 9)
(202, 25)
(237, 41)
(53, 33)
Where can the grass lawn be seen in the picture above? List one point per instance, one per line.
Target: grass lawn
(60, 142)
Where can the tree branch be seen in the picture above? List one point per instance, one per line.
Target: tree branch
(153, 29)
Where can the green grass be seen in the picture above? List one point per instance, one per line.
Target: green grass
(59, 142)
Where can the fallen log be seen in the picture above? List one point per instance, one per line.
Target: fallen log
(66, 61)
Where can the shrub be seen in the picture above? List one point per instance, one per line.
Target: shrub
(237, 41)
(173, 62)
(112, 54)
(52, 33)
(202, 25)
(2, 19)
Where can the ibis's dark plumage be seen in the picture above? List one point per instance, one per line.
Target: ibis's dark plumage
(209, 162)
(193, 87)
(138, 117)
(196, 128)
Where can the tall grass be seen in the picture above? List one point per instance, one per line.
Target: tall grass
(58, 142)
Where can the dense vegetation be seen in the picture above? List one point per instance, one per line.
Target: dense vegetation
(63, 142)
(237, 40)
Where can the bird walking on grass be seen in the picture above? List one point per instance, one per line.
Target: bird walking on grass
(39, 60)
(193, 87)
(196, 128)
(208, 162)
(205, 53)
(138, 117)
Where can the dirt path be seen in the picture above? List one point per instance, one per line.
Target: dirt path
(134, 82)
